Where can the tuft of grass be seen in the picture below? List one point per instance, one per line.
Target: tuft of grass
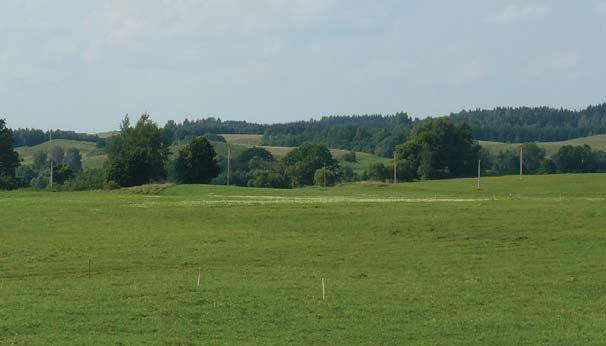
(150, 189)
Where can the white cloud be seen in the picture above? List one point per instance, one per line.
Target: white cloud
(515, 13)
(557, 65)
(566, 61)
(120, 23)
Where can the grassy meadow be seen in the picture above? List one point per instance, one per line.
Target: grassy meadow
(438, 262)
(91, 157)
(597, 142)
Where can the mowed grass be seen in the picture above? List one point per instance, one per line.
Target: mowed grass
(517, 262)
(597, 142)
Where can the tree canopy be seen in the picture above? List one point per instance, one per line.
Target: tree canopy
(196, 163)
(9, 158)
(303, 162)
(439, 149)
(137, 155)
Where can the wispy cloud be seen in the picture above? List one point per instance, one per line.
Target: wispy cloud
(566, 61)
(515, 13)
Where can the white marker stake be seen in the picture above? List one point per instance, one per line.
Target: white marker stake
(323, 294)
(199, 274)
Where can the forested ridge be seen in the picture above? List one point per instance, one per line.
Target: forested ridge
(378, 134)
(31, 137)
(538, 124)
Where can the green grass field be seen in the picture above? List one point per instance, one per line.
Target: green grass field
(432, 263)
(596, 142)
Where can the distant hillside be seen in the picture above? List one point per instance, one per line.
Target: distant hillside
(596, 142)
(31, 137)
(91, 158)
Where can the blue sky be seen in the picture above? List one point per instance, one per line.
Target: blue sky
(84, 64)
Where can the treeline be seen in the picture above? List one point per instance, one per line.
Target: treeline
(180, 132)
(376, 134)
(31, 137)
(568, 159)
(141, 154)
(539, 124)
(380, 134)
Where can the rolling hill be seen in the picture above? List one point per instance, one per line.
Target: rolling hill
(91, 157)
(596, 142)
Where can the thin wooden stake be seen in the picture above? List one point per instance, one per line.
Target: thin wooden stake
(323, 291)
(199, 275)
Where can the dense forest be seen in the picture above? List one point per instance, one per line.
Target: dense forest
(540, 124)
(375, 134)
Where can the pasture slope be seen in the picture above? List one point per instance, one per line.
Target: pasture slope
(597, 142)
(438, 262)
(91, 157)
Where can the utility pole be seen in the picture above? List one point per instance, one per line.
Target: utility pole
(395, 167)
(521, 162)
(228, 163)
(51, 160)
(479, 172)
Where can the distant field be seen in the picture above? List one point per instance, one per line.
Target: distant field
(87, 149)
(364, 159)
(596, 142)
(243, 140)
(436, 263)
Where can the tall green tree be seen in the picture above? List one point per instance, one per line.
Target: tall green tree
(9, 158)
(196, 162)
(303, 162)
(73, 160)
(378, 172)
(249, 163)
(137, 155)
(57, 154)
(440, 149)
(40, 161)
(575, 159)
(532, 157)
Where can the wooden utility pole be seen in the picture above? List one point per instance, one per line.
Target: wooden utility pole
(51, 159)
(395, 167)
(521, 162)
(228, 163)
(479, 172)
